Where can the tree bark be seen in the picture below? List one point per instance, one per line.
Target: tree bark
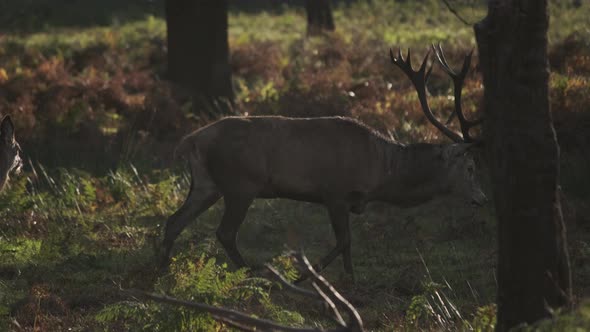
(198, 50)
(533, 264)
(319, 16)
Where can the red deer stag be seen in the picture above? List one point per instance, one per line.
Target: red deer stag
(9, 151)
(334, 161)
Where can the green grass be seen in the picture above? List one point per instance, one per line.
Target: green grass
(406, 24)
(91, 103)
(75, 238)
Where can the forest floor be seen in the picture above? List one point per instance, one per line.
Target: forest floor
(98, 123)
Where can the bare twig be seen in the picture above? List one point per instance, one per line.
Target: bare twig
(355, 323)
(318, 295)
(291, 286)
(331, 305)
(454, 11)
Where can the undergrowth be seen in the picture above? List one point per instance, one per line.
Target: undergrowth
(202, 280)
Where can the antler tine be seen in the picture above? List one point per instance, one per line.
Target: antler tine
(423, 68)
(466, 63)
(467, 123)
(392, 57)
(404, 64)
(442, 59)
(428, 74)
(458, 80)
(419, 79)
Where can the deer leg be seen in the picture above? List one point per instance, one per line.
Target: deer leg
(236, 207)
(197, 202)
(340, 223)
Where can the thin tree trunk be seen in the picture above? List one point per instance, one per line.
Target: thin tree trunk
(319, 16)
(198, 51)
(533, 265)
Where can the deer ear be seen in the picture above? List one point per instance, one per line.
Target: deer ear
(455, 150)
(7, 130)
(463, 148)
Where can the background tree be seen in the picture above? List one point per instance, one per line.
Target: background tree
(319, 16)
(198, 50)
(533, 265)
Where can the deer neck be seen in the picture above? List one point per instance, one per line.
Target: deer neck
(414, 174)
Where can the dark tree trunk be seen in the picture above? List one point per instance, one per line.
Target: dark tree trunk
(319, 16)
(198, 51)
(533, 265)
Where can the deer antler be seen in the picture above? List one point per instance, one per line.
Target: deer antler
(458, 80)
(419, 79)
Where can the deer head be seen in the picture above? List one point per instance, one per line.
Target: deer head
(461, 173)
(9, 151)
(459, 162)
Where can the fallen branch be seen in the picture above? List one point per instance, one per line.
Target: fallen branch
(231, 317)
(323, 291)
(278, 277)
(355, 323)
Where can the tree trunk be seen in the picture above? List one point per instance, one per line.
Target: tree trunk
(319, 16)
(533, 265)
(198, 50)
